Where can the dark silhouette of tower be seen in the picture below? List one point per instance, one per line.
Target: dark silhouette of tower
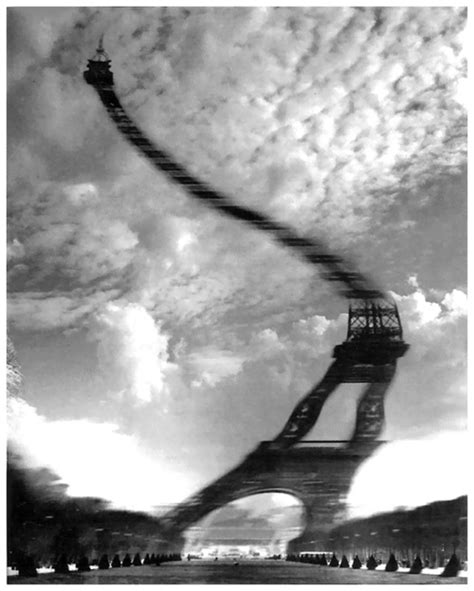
(368, 355)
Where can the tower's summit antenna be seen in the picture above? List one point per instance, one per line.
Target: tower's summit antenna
(100, 48)
(100, 54)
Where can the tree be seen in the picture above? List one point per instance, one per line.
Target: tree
(83, 564)
(392, 564)
(27, 566)
(452, 568)
(137, 561)
(416, 567)
(61, 565)
(371, 563)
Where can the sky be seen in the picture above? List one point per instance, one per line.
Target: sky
(155, 334)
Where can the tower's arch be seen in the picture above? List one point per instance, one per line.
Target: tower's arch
(257, 525)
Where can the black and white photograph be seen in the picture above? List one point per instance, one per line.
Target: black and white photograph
(236, 330)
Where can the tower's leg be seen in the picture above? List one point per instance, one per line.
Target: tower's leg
(308, 409)
(370, 411)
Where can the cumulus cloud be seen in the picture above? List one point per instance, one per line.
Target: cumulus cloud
(266, 344)
(319, 115)
(328, 118)
(132, 351)
(429, 318)
(245, 399)
(312, 336)
(284, 356)
(211, 366)
(456, 303)
(436, 332)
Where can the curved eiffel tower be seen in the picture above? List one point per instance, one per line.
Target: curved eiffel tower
(368, 355)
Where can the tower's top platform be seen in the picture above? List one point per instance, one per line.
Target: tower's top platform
(98, 71)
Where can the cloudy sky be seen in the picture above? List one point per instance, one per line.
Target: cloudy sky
(159, 336)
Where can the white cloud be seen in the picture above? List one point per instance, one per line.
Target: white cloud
(94, 459)
(71, 237)
(210, 366)
(81, 194)
(280, 365)
(314, 335)
(15, 250)
(265, 344)
(51, 311)
(462, 93)
(429, 391)
(413, 281)
(133, 351)
(456, 303)
(303, 136)
(418, 312)
(327, 117)
(411, 473)
(185, 240)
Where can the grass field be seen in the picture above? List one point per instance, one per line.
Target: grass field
(226, 572)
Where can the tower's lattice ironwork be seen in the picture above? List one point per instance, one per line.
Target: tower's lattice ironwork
(374, 338)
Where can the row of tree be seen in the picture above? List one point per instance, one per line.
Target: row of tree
(451, 569)
(27, 565)
(434, 532)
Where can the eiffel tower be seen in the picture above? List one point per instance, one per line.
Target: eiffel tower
(318, 473)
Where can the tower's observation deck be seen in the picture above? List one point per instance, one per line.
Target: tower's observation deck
(374, 334)
(98, 71)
